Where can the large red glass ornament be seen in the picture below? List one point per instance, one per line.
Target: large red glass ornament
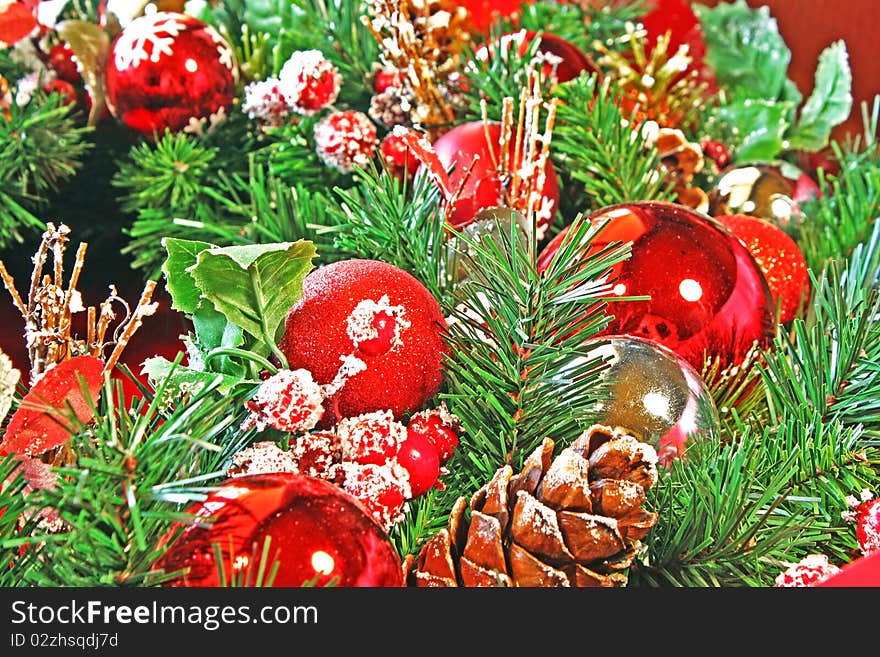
(170, 70)
(319, 534)
(483, 186)
(779, 258)
(707, 295)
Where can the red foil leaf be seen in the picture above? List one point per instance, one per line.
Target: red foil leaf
(34, 428)
(424, 152)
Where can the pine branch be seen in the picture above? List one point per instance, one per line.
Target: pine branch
(850, 203)
(380, 218)
(133, 469)
(13, 488)
(601, 149)
(291, 156)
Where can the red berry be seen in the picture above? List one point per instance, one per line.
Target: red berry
(398, 156)
(64, 89)
(717, 152)
(336, 318)
(346, 139)
(866, 514)
(371, 437)
(386, 78)
(809, 571)
(429, 425)
(289, 401)
(381, 489)
(483, 187)
(63, 62)
(779, 258)
(420, 459)
(309, 82)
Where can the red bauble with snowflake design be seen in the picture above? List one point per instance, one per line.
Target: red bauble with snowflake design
(707, 297)
(779, 258)
(170, 70)
(318, 534)
(378, 322)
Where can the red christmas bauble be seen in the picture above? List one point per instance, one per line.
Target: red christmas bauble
(483, 187)
(570, 62)
(482, 13)
(319, 533)
(375, 315)
(708, 297)
(779, 258)
(419, 457)
(170, 70)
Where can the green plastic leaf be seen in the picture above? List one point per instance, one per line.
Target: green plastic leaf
(214, 331)
(254, 286)
(184, 380)
(745, 49)
(91, 45)
(759, 127)
(830, 102)
(181, 285)
(9, 377)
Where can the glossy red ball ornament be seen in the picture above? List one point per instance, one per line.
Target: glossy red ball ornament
(383, 321)
(565, 62)
(779, 258)
(420, 458)
(319, 535)
(707, 295)
(482, 13)
(483, 187)
(170, 70)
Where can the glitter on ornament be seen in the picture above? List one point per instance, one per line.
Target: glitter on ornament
(345, 140)
(865, 512)
(289, 401)
(382, 489)
(370, 438)
(171, 71)
(309, 82)
(264, 102)
(809, 571)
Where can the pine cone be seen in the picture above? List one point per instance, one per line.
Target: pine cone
(575, 520)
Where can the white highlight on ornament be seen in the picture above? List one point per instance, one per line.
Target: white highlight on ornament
(191, 65)
(131, 46)
(619, 289)
(657, 404)
(781, 207)
(690, 290)
(323, 563)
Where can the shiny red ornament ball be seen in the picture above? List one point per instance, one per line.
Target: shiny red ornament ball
(483, 13)
(420, 458)
(564, 61)
(779, 258)
(345, 140)
(430, 425)
(167, 70)
(483, 187)
(707, 295)
(384, 321)
(319, 535)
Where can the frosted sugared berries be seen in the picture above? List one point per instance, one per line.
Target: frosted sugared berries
(866, 514)
(289, 401)
(382, 489)
(809, 571)
(264, 102)
(345, 140)
(309, 82)
(439, 427)
(370, 438)
(375, 314)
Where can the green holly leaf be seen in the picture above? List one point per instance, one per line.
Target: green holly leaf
(214, 331)
(830, 102)
(254, 286)
(179, 282)
(759, 127)
(745, 49)
(182, 380)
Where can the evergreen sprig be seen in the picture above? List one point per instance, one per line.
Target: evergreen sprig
(134, 468)
(601, 150)
(13, 488)
(42, 145)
